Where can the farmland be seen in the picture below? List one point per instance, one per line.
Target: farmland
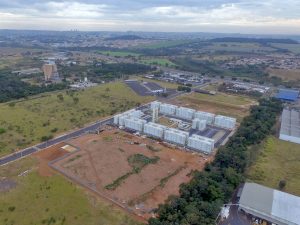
(48, 200)
(286, 75)
(278, 160)
(133, 172)
(29, 121)
(224, 104)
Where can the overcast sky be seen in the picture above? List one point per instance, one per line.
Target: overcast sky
(243, 16)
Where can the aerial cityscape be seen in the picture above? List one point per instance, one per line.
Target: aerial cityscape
(150, 112)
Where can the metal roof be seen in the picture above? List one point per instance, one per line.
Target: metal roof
(290, 122)
(287, 94)
(275, 204)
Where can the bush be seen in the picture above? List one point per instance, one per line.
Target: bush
(2, 130)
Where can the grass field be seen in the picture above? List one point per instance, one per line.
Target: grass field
(239, 47)
(158, 61)
(52, 200)
(278, 160)
(26, 122)
(285, 75)
(161, 83)
(164, 44)
(119, 53)
(224, 104)
(295, 48)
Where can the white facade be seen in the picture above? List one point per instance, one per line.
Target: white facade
(154, 129)
(185, 113)
(201, 143)
(168, 109)
(176, 136)
(225, 122)
(155, 105)
(198, 124)
(116, 119)
(208, 117)
(135, 124)
(122, 119)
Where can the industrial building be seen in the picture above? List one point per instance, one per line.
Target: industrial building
(225, 122)
(176, 136)
(135, 124)
(185, 113)
(290, 125)
(208, 117)
(271, 205)
(200, 143)
(167, 109)
(154, 130)
(287, 95)
(198, 124)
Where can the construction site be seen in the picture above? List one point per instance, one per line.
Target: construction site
(143, 155)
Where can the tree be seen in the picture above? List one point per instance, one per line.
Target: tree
(281, 184)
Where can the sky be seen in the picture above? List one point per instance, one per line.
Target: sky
(222, 16)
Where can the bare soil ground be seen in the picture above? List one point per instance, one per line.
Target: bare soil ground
(286, 75)
(46, 156)
(103, 159)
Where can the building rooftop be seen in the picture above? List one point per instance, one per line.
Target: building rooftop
(287, 94)
(290, 122)
(275, 204)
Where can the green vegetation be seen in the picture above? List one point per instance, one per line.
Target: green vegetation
(164, 44)
(137, 162)
(278, 161)
(52, 200)
(200, 200)
(184, 88)
(158, 62)
(295, 48)
(2, 130)
(26, 122)
(164, 180)
(119, 53)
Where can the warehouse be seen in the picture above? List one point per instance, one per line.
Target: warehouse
(208, 117)
(272, 205)
(288, 95)
(198, 124)
(290, 126)
(154, 130)
(200, 143)
(225, 122)
(185, 113)
(167, 109)
(134, 124)
(176, 136)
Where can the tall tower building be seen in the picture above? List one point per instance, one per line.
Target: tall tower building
(50, 71)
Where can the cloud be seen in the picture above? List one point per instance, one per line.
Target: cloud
(156, 15)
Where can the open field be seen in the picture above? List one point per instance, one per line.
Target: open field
(119, 53)
(295, 48)
(285, 75)
(224, 104)
(28, 122)
(158, 61)
(278, 160)
(51, 200)
(133, 172)
(161, 83)
(164, 44)
(239, 47)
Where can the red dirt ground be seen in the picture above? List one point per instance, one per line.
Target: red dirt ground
(47, 155)
(103, 158)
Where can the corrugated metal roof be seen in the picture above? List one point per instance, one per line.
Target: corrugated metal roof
(290, 123)
(287, 94)
(275, 204)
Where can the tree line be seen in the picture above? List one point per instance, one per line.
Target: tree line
(200, 200)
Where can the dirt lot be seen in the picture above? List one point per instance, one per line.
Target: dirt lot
(103, 165)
